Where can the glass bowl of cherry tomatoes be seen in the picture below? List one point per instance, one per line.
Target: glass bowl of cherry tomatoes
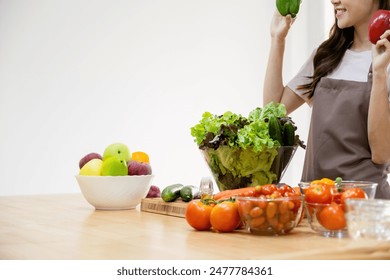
(275, 213)
(325, 203)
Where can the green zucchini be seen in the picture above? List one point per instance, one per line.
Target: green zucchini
(288, 134)
(171, 193)
(186, 193)
(275, 129)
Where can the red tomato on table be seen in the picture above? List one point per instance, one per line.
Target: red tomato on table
(198, 215)
(225, 216)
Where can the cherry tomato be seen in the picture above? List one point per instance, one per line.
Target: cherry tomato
(297, 192)
(285, 189)
(268, 189)
(225, 217)
(318, 193)
(198, 215)
(275, 194)
(262, 203)
(332, 217)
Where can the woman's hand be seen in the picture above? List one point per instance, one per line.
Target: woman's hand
(280, 25)
(381, 53)
(378, 125)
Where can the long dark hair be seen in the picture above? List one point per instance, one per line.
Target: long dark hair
(331, 51)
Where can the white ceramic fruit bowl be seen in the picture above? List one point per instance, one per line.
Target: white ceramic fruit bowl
(114, 192)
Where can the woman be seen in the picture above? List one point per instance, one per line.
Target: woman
(346, 82)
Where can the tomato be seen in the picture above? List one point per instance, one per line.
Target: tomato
(318, 193)
(336, 196)
(285, 189)
(297, 205)
(262, 203)
(225, 217)
(352, 193)
(275, 194)
(198, 215)
(297, 190)
(268, 189)
(332, 217)
(256, 212)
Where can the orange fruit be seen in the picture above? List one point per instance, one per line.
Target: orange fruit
(140, 156)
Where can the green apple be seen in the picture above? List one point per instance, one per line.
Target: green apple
(113, 166)
(118, 150)
(92, 168)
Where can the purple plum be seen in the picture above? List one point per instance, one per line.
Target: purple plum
(138, 168)
(87, 158)
(154, 191)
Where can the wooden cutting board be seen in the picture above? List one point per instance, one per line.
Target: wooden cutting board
(157, 205)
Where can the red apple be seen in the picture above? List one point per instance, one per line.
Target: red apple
(87, 158)
(378, 24)
(138, 168)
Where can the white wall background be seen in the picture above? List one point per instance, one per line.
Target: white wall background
(77, 75)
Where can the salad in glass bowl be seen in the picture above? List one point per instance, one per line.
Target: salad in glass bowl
(247, 151)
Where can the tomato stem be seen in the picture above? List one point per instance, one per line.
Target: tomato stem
(338, 182)
(207, 200)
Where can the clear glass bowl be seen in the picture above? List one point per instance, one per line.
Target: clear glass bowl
(313, 214)
(270, 216)
(368, 219)
(315, 211)
(234, 168)
(368, 187)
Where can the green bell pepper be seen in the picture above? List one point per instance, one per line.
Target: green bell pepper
(286, 7)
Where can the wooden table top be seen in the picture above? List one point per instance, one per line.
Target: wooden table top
(65, 226)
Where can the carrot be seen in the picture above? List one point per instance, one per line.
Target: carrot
(248, 191)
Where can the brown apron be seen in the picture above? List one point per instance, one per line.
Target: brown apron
(338, 142)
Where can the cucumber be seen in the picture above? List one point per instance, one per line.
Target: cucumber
(186, 193)
(171, 193)
(288, 134)
(275, 129)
